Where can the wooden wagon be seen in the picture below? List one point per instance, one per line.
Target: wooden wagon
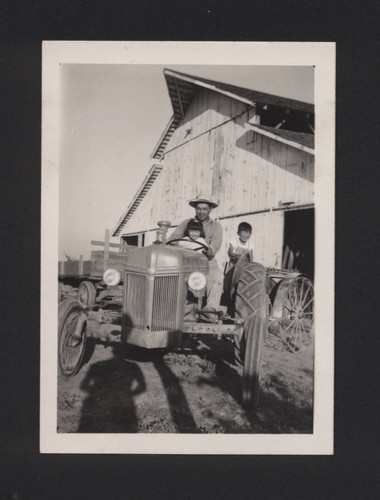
(83, 279)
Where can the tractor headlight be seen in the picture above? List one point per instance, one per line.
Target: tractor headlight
(111, 277)
(197, 281)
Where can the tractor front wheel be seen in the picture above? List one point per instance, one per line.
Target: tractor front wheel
(71, 342)
(251, 305)
(86, 293)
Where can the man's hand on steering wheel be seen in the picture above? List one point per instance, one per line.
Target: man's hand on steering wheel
(209, 253)
(204, 248)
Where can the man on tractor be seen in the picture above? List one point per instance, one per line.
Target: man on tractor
(213, 232)
(159, 294)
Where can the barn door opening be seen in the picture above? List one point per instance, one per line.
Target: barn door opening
(298, 250)
(135, 240)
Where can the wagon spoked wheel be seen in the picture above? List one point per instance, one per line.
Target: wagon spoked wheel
(294, 306)
(86, 293)
(71, 343)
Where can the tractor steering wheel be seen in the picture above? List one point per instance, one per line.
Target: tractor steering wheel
(201, 245)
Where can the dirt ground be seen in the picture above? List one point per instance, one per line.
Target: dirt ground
(194, 389)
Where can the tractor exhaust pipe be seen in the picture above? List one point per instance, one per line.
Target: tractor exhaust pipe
(163, 226)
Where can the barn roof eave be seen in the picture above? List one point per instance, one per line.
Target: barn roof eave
(159, 149)
(139, 196)
(243, 94)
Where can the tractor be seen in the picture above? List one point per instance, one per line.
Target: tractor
(156, 299)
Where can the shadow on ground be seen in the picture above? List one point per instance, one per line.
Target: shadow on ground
(179, 413)
(110, 388)
(194, 389)
(286, 397)
(179, 409)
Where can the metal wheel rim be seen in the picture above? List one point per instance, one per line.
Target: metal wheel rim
(298, 315)
(83, 295)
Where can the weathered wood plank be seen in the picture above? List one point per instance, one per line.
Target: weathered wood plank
(102, 243)
(106, 248)
(81, 264)
(72, 268)
(99, 263)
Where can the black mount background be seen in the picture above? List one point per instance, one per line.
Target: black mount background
(352, 471)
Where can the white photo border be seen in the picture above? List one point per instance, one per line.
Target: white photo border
(319, 54)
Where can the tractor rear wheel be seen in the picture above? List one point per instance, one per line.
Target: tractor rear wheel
(251, 305)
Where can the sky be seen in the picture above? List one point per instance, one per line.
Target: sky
(111, 118)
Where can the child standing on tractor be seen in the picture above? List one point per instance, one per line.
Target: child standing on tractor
(194, 236)
(240, 244)
(237, 246)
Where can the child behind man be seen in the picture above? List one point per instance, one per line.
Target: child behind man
(240, 244)
(194, 236)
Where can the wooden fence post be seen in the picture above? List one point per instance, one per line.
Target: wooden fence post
(106, 248)
(80, 265)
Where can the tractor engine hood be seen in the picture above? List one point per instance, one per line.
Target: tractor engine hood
(166, 259)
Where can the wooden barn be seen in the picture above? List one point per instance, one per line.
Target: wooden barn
(252, 152)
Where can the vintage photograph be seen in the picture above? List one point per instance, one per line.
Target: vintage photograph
(187, 251)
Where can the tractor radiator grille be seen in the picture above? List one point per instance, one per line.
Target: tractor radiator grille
(136, 299)
(165, 297)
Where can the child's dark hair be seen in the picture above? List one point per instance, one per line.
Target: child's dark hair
(195, 224)
(244, 226)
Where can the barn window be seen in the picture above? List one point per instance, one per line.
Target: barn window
(293, 120)
(135, 240)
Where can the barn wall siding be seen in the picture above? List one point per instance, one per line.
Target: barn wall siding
(243, 170)
(207, 110)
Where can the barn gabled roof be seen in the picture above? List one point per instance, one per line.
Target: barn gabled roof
(144, 188)
(182, 88)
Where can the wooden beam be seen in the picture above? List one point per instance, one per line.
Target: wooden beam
(101, 244)
(209, 86)
(106, 248)
(179, 98)
(278, 138)
(253, 117)
(279, 125)
(289, 208)
(189, 87)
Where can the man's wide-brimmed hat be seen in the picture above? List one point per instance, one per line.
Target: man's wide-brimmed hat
(201, 198)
